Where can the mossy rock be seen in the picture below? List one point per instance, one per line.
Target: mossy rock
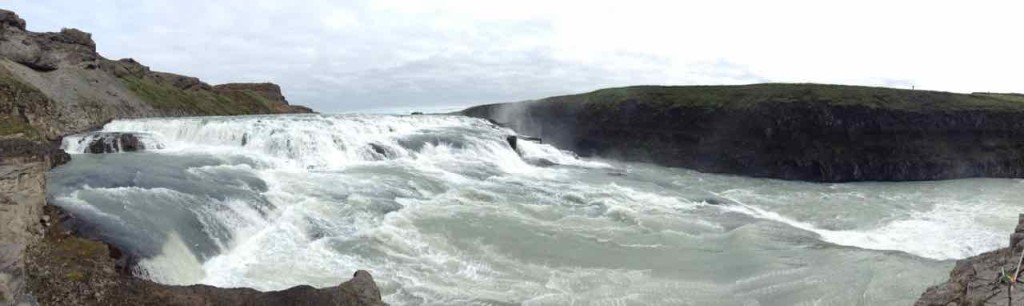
(81, 248)
(16, 127)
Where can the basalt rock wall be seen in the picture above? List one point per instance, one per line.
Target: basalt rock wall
(789, 131)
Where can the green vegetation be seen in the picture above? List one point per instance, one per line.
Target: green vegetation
(197, 102)
(259, 99)
(745, 96)
(16, 96)
(80, 248)
(75, 276)
(11, 126)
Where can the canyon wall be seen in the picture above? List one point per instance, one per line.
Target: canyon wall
(809, 132)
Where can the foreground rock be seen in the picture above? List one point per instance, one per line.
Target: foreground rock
(976, 280)
(790, 131)
(67, 270)
(23, 167)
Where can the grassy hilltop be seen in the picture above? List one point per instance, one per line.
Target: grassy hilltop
(747, 96)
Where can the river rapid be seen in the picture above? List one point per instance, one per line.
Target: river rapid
(443, 211)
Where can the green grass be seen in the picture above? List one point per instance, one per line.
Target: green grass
(266, 103)
(13, 95)
(11, 126)
(198, 102)
(75, 276)
(745, 96)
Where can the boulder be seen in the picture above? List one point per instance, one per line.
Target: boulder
(9, 18)
(43, 52)
(38, 61)
(715, 201)
(113, 143)
(512, 142)
(125, 67)
(382, 152)
(29, 52)
(75, 37)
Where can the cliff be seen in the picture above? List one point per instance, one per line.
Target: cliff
(22, 197)
(56, 84)
(810, 132)
(979, 280)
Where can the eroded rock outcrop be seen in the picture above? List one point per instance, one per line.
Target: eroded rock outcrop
(10, 19)
(23, 167)
(113, 142)
(977, 280)
(58, 84)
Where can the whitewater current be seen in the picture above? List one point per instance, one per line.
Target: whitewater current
(443, 211)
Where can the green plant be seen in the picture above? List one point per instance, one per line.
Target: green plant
(11, 126)
(198, 102)
(1011, 280)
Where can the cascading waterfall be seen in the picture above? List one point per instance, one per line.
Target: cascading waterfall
(443, 211)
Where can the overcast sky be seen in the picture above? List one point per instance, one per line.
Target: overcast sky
(338, 56)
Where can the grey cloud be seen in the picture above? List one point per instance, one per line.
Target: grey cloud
(375, 60)
(470, 78)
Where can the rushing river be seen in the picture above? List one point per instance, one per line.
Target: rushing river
(443, 212)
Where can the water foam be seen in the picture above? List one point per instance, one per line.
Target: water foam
(318, 142)
(175, 265)
(947, 231)
(444, 212)
(79, 143)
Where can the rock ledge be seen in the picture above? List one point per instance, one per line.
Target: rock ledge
(976, 280)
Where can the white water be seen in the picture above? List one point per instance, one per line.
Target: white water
(442, 211)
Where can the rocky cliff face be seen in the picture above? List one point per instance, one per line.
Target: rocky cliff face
(55, 84)
(267, 93)
(978, 280)
(22, 198)
(788, 131)
(22, 195)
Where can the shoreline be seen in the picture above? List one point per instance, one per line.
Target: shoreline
(977, 280)
(65, 269)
